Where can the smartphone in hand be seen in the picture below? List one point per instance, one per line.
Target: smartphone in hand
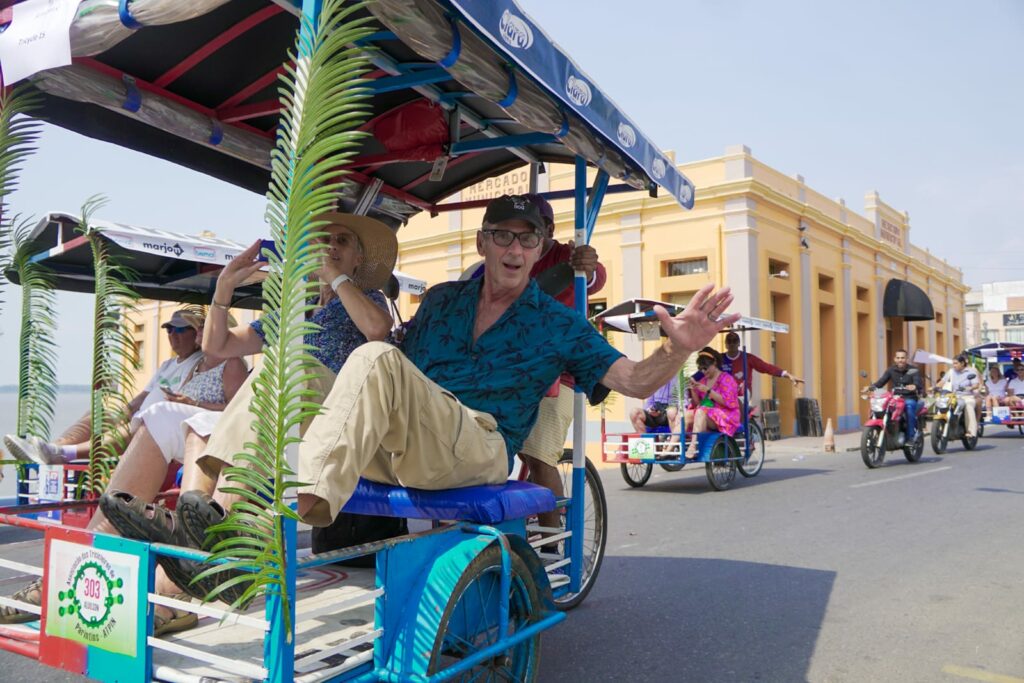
(267, 245)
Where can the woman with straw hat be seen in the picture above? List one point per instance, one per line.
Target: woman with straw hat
(358, 258)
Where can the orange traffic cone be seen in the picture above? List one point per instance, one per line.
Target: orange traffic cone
(830, 437)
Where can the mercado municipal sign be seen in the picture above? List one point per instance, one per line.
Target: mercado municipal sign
(514, 182)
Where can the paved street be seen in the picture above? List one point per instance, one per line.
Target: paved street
(817, 570)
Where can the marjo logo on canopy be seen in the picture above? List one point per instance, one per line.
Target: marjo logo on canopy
(578, 91)
(685, 194)
(164, 247)
(514, 31)
(659, 168)
(627, 136)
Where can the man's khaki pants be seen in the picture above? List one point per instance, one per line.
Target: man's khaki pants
(386, 421)
(235, 427)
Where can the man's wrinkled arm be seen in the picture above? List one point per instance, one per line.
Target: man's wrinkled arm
(641, 380)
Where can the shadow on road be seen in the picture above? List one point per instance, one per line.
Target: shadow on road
(691, 480)
(695, 620)
(991, 490)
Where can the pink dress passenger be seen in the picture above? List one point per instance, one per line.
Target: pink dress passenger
(727, 417)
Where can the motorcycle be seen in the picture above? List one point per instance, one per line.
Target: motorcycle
(950, 422)
(887, 428)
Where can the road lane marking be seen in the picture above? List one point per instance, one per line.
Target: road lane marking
(979, 674)
(902, 476)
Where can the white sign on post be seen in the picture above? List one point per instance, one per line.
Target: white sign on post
(38, 38)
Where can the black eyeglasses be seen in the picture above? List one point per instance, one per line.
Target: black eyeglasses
(504, 238)
(174, 329)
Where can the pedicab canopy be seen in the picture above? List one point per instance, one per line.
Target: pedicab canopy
(1002, 352)
(634, 315)
(462, 90)
(167, 265)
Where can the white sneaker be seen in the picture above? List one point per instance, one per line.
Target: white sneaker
(33, 449)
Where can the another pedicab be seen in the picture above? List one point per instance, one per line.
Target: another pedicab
(462, 90)
(721, 454)
(1002, 355)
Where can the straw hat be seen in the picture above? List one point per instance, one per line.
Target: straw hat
(380, 247)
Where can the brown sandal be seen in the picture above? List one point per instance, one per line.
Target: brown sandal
(33, 595)
(173, 619)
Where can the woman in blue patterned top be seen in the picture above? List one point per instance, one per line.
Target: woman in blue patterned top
(358, 261)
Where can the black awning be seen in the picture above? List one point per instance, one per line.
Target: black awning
(908, 301)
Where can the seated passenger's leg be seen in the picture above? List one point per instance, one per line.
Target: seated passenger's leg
(970, 416)
(77, 433)
(700, 424)
(140, 472)
(234, 428)
(544, 446)
(386, 420)
(672, 413)
(194, 478)
(911, 410)
(638, 418)
(543, 474)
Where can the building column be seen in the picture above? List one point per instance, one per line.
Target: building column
(881, 361)
(455, 265)
(849, 420)
(806, 334)
(742, 267)
(947, 322)
(631, 248)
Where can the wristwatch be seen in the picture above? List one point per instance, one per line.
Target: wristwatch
(336, 282)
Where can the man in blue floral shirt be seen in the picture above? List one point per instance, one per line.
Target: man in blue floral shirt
(452, 406)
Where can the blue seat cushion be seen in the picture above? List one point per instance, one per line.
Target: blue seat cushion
(482, 504)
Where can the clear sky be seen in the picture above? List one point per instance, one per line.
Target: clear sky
(921, 101)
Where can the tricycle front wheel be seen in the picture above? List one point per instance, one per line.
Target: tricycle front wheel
(469, 623)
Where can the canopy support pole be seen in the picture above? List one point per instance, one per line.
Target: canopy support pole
(585, 217)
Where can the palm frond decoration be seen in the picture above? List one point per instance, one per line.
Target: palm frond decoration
(37, 356)
(114, 359)
(18, 136)
(324, 101)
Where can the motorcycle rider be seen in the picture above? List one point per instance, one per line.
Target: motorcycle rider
(963, 381)
(907, 382)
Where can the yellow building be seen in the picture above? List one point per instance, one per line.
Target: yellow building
(789, 253)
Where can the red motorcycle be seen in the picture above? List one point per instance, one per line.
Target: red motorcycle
(886, 429)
